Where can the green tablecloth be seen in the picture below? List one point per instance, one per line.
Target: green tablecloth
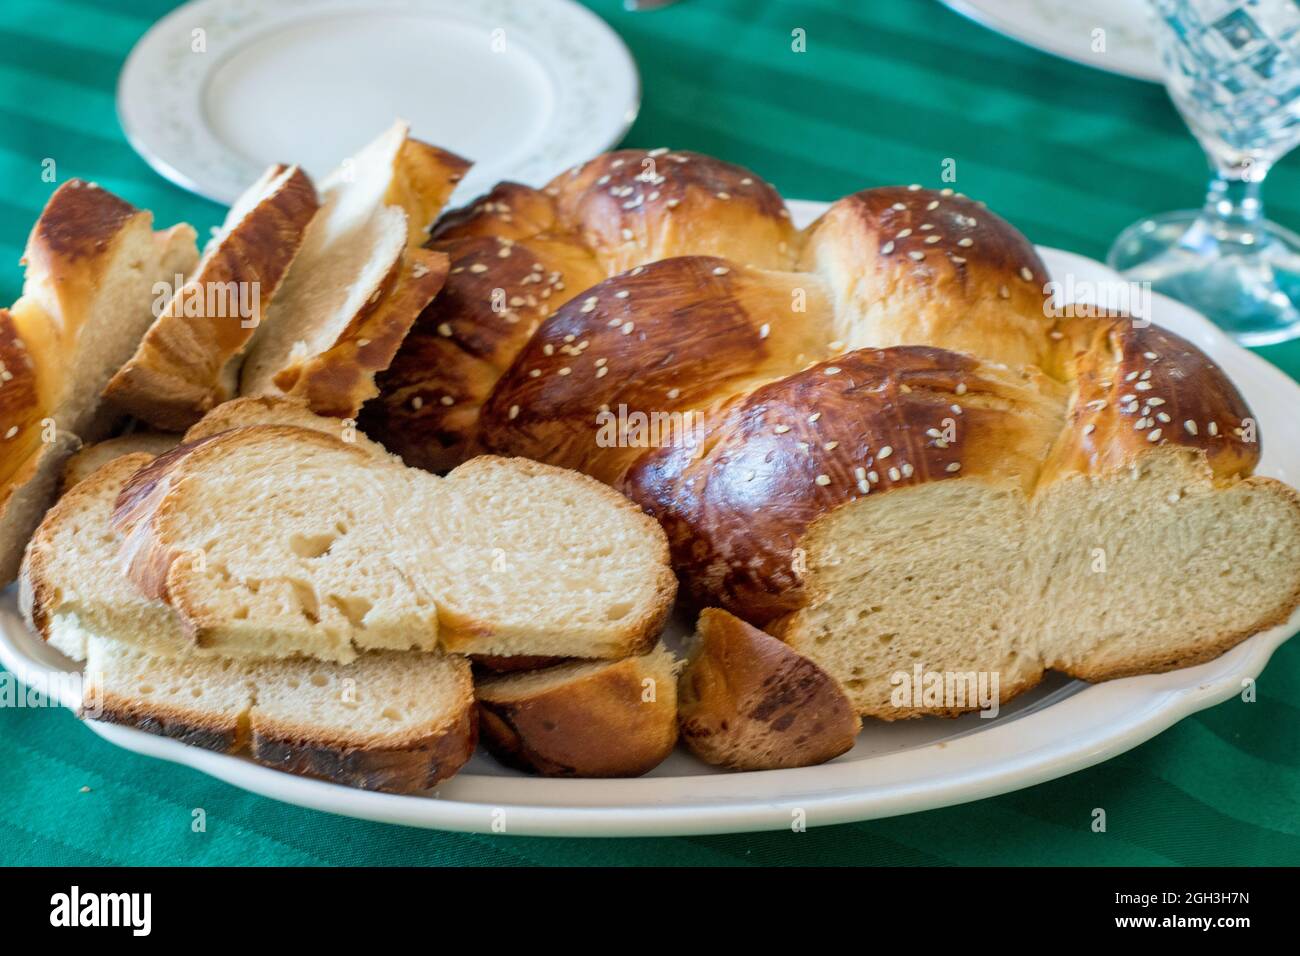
(885, 92)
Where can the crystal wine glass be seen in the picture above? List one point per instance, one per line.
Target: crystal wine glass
(1232, 67)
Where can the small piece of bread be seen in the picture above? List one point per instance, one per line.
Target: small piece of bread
(277, 540)
(92, 262)
(269, 410)
(583, 719)
(360, 280)
(91, 458)
(189, 358)
(396, 722)
(746, 701)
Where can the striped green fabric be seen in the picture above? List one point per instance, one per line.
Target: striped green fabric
(884, 93)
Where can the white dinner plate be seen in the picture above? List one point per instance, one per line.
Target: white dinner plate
(1059, 727)
(1067, 29)
(219, 89)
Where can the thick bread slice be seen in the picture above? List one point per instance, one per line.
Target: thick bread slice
(583, 719)
(277, 540)
(91, 458)
(361, 279)
(748, 702)
(188, 360)
(394, 722)
(92, 263)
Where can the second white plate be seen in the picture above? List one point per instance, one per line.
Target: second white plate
(219, 89)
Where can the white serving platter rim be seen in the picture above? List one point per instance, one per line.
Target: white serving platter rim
(1057, 729)
(162, 92)
(1064, 28)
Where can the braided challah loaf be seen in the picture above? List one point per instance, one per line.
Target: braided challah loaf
(895, 455)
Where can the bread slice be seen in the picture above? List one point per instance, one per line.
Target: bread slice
(361, 279)
(746, 701)
(189, 358)
(269, 410)
(583, 719)
(397, 722)
(92, 265)
(91, 458)
(277, 540)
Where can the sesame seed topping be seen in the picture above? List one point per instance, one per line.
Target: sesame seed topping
(873, 477)
(860, 473)
(1026, 274)
(533, 373)
(915, 187)
(622, 294)
(1143, 386)
(1089, 428)
(764, 330)
(832, 370)
(781, 429)
(417, 403)
(589, 304)
(724, 195)
(823, 480)
(1190, 426)
(813, 417)
(478, 267)
(1155, 401)
(885, 452)
(933, 204)
(907, 469)
(444, 329)
(514, 412)
(953, 466)
(916, 256)
(830, 446)
(1213, 429)
(894, 474)
(720, 270)
(626, 234)
(626, 328)
(602, 371)
(863, 486)
(966, 242)
(903, 234)
(1150, 355)
(1004, 292)
(931, 240)
(1163, 416)
(887, 248)
(961, 388)
(900, 207)
(1153, 435)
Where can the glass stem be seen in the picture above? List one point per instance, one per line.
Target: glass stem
(1233, 209)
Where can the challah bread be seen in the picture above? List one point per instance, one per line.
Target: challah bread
(360, 279)
(584, 718)
(387, 721)
(92, 263)
(189, 358)
(749, 702)
(276, 540)
(795, 439)
(518, 254)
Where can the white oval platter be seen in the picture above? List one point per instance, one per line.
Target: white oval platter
(1059, 727)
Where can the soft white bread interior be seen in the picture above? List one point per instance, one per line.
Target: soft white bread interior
(360, 279)
(277, 540)
(585, 718)
(746, 701)
(397, 722)
(1089, 577)
(189, 359)
(92, 265)
(91, 458)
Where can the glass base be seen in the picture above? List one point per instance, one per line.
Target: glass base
(1246, 282)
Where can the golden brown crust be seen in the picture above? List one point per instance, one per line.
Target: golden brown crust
(338, 381)
(746, 701)
(91, 458)
(518, 254)
(180, 369)
(584, 721)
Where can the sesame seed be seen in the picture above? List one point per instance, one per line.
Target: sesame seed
(1162, 416)
(672, 203)
(961, 388)
(956, 409)
(958, 259)
(904, 234)
(533, 373)
(894, 474)
(514, 412)
(953, 466)
(1004, 292)
(674, 392)
(885, 452)
(934, 433)
(1143, 386)
(720, 270)
(832, 370)
(873, 477)
(830, 446)
(626, 234)
(781, 429)
(747, 181)
(1130, 376)
(887, 248)
(907, 469)
(915, 187)
(764, 330)
(1155, 401)
(1089, 428)
(478, 267)
(601, 361)
(966, 242)
(589, 303)
(1190, 426)
(724, 195)
(931, 240)
(812, 419)
(1150, 355)
(622, 294)
(602, 371)
(1146, 375)
(900, 207)
(1214, 429)
(659, 151)
(933, 204)
(444, 329)
(1153, 435)
(823, 480)
(916, 256)
(860, 473)
(1026, 274)
(627, 328)
(863, 486)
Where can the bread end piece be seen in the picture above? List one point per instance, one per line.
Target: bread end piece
(584, 719)
(749, 702)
